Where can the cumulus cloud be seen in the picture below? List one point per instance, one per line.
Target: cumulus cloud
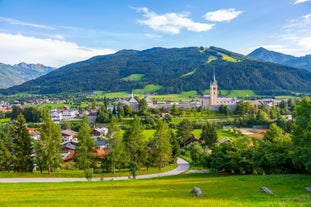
(301, 1)
(171, 23)
(222, 15)
(15, 48)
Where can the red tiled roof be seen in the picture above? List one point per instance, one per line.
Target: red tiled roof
(100, 153)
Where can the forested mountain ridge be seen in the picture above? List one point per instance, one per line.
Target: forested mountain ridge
(303, 62)
(19, 73)
(174, 70)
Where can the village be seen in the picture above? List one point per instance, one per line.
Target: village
(211, 102)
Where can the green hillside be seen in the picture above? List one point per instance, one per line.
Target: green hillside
(171, 71)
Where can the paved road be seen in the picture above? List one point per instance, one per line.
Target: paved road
(182, 166)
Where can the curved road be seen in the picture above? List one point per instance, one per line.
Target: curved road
(182, 166)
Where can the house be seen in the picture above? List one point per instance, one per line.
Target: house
(190, 140)
(67, 147)
(69, 136)
(34, 133)
(69, 114)
(225, 139)
(101, 153)
(67, 156)
(56, 115)
(92, 116)
(101, 143)
(100, 131)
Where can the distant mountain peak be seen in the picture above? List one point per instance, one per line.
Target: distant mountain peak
(11, 75)
(280, 58)
(31, 65)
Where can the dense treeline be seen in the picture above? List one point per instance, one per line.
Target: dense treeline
(176, 70)
(285, 147)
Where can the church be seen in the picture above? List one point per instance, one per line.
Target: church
(213, 102)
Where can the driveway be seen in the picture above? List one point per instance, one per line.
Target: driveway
(182, 166)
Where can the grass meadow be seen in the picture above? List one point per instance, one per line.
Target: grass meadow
(218, 190)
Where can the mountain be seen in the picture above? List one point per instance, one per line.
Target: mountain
(170, 71)
(20, 73)
(261, 53)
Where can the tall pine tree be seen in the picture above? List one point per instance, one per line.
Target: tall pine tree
(135, 143)
(47, 148)
(118, 154)
(85, 152)
(22, 146)
(162, 148)
(6, 148)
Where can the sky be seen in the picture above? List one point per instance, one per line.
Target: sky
(59, 32)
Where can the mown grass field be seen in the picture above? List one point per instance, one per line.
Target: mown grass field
(80, 173)
(218, 190)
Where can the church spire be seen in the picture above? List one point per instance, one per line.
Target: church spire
(214, 75)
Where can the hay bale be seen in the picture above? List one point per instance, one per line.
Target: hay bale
(266, 190)
(197, 191)
(308, 188)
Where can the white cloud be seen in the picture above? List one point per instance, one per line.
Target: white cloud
(301, 1)
(223, 15)
(171, 23)
(307, 18)
(305, 43)
(21, 23)
(153, 36)
(51, 52)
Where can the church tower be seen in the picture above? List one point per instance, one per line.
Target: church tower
(213, 91)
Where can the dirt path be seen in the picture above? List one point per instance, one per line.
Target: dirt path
(182, 166)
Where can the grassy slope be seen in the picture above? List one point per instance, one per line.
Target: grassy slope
(170, 191)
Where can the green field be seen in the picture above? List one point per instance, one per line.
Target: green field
(228, 58)
(133, 77)
(148, 89)
(118, 95)
(235, 93)
(218, 190)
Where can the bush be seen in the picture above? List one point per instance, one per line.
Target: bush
(88, 174)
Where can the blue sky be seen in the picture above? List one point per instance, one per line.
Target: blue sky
(58, 32)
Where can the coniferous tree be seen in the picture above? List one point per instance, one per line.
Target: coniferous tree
(6, 148)
(135, 143)
(118, 154)
(22, 146)
(47, 147)
(175, 147)
(85, 151)
(184, 130)
(162, 148)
